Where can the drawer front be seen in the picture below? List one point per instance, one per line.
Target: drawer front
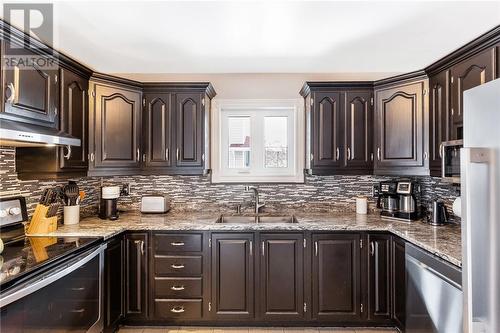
(178, 265)
(178, 308)
(168, 287)
(168, 243)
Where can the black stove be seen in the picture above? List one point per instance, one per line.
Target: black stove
(26, 256)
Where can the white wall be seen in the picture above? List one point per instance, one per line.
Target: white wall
(256, 86)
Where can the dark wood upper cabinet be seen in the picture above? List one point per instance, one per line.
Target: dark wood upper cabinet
(157, 130)
(116, 131)
(189, 138)
(74, 119)
(468, 74)
(439, 118)
(398, 282)
(114, 284)
(336, 278)
(62, 162)
(358, 117)
(379, 278)
(233, 276)
(136, 275)
(339, 127)
(400, 128)
(327, 129)
(31, 95)
(282, 277)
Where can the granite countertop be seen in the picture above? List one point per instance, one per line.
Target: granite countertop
(444, 241)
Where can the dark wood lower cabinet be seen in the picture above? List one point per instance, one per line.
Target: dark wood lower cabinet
(114, 283)
(398, 282)
(379, 277)
(233, 276)
(336, 295)
(136, 277)
(282, 276)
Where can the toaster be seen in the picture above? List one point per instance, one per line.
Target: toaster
(154, 204)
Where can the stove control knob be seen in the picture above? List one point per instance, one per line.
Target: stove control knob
(15, 211)
(3, 213)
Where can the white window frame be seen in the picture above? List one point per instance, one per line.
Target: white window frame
(293, 108)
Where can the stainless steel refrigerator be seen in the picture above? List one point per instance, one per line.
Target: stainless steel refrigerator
(480, 184)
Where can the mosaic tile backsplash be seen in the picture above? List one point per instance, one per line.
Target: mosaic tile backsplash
(318, 193)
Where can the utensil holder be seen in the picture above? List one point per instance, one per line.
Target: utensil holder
(71, 215)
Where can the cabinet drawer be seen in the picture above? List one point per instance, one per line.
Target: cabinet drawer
(178, 308)
(178, 265)
(168, 287)
(165, 243)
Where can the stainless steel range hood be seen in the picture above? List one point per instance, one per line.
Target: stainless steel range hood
(18, 134)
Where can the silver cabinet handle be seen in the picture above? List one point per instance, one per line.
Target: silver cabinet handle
(176, 266)
(77, 311)
(177, 243)
(175, 288)
(371, 157)
(177, 309)
(177, 153)
(144, 157)
(441, 150)
(337, 153)
(142, 247)
(316, 249)
(91, 157)
(378, 153)
(68, 154)
(12, 97)
(425, 155)
(138, 155)
(372, 248)
(167, 155)
(77, 289)
(251, 248)
(263, 247)
(348, 153)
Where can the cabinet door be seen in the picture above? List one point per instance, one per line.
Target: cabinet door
(327, 130)
(400, 126)
(189, 138)
(31, 92)
(117, 127)
(336, 278)
(399, 282)
(114, 275)
(282, 277)
(379, 278)
(136, 269)
(233, 276)
(439, 120)
(468, 74)
(157, 130)
(358, 130)
(74, 119)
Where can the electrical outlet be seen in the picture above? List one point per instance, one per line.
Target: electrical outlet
(125, 190)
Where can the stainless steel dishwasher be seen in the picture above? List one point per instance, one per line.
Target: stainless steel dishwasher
(434, 294)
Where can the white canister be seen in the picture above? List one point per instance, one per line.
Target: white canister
(361, 205)
(71, 214)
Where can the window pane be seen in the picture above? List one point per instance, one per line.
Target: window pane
(275, 142)
(239, 142)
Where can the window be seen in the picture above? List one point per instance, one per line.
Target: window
(257, 141)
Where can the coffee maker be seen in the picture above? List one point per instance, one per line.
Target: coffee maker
(108, 209)
(399, 199)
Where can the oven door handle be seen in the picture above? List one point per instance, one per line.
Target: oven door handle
(50, 277)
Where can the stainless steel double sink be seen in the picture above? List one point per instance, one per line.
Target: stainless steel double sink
(236, 219)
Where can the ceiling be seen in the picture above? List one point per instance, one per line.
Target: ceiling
(267, 36)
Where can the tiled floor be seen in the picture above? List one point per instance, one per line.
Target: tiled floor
(253, 330)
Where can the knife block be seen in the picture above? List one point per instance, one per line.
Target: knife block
(40, 224)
